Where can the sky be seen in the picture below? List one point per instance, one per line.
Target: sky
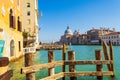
(77, 14)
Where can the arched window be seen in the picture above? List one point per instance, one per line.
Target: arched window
(12, 48)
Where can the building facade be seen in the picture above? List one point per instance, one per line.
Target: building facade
(95, 35)
(112, 37)
(30, 21)
(83, 39)
(11, 28)
(74, 38)
(66, 38)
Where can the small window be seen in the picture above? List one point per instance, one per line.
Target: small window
(19, 44)
(28, 13)
(28, 5)
(28, 21)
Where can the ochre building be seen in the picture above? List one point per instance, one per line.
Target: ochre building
(11, 39)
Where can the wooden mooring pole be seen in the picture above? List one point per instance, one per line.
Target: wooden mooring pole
(109, 56)
(71, 57)
(63, 58)
(106, 54)
(98, 56)
(29, 61)
(112, 58)
(50, 59)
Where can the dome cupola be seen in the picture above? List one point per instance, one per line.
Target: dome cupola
(68, 31)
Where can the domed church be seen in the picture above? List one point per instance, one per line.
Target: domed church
(68, 31)
(73, 38)
(66, 38)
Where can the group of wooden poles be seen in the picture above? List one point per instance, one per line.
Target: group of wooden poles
(30, 68)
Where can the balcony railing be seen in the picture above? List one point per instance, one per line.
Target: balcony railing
(29, 50)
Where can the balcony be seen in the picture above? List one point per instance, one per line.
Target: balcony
(29, 50)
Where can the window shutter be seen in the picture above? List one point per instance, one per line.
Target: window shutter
(19, 26)
(14, 22)
(11, 21)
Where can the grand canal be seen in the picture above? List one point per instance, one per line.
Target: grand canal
(84, 52)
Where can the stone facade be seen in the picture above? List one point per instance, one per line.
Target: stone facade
(95, 35)
(66, 38)
(73, 38)
(112, 37)
(30, 20)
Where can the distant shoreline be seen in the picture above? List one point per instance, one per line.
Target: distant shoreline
(91, 44)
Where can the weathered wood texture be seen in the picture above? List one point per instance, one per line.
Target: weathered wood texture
(98, 56)
(106, 54)
(4, 61)
(54, 77)
(51, 59)
(35, 68)
(29, 61)
(112, 58)
(63, 58)
(75, 74)
(7, 75)
(85, 62)
(71, 56)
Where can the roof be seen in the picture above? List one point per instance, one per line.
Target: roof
(99, 30)
(113, 33)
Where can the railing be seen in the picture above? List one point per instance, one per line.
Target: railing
(109, 61)
(29, 50)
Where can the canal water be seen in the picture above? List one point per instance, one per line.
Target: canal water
(85, 52)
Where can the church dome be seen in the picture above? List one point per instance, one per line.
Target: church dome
(75, 32)
(68, 31)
